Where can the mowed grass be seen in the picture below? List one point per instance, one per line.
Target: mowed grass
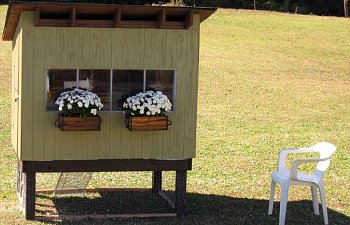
(267, 81)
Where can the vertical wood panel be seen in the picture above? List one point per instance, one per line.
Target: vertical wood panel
(149, 63)
(15, 89)
(61, 61)
(116, 120)
(70, 146)
(191, 90)
(39, 94)
(138, 62)
(160, 61)
(73, 63)
(19, 88)
(150, 47)
(95, 48)
(128, 53)
(95, 61)
(170, 63)
(73, 47)
(104, 135)
(50, 62)
(106, 48)
(62, 48)
(27, 97)
(84, 48)
(82, 145)
(179, 121)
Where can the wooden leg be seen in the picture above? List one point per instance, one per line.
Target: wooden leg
(29, 195)
(157, 181)
(180, 192)
(19, 180)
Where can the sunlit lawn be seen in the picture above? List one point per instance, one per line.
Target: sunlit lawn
(267, 81)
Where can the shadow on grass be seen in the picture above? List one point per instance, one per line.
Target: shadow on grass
(213, 210)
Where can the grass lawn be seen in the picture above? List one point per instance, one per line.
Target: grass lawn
(267, 81)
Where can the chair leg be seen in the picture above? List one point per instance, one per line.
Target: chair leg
(272, 196)
(324, 204)
(283, 203)
(315, 200)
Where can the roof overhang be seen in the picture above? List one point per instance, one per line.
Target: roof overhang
(107, 15)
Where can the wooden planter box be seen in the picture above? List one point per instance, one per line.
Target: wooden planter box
(144, 123)
(90, 123)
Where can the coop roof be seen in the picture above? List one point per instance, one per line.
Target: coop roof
(103, 15)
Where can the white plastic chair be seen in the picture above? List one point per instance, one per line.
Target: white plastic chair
(287, 178)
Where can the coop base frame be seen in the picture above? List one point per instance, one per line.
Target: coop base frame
(26, 177)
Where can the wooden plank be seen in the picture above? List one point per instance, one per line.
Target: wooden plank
(39, 95)
(191, 90)
(84, 48)
(149, 63)
(128, 48)
(104, 137)
(161, 18)
(19, 88)
(95, 48)
(70, 152)
(160, 61)
(128, 53)
(170, 63)
(82, 145)
(139, 48)
(27, 98)
(61, 61)
(62, 48)
(117, 119)
(73, 48)
(117, 48)
(181, 74)
(138, 63)
(73, 17)
(106, 48)
(50, 62)
(16, 71)
(150, 46)
(92, 144)
(117, 17)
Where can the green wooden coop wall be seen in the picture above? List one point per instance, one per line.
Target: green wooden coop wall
(37, 49)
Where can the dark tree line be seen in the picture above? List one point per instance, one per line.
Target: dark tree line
(318, 7)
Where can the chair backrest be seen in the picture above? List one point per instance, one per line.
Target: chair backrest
(326, 150)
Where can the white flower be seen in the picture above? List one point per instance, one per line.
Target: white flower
(69, 106)
(86, 105)
(60, 108)
(80, 104)
(93, 111)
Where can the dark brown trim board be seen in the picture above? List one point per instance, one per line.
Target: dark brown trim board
(102, 15)
(105, 165)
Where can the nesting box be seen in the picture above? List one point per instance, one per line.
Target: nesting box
(112, 50)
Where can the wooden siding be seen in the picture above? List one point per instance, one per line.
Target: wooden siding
(105, 48)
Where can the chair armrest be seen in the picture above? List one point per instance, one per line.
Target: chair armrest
(284, 152)
(296, 163)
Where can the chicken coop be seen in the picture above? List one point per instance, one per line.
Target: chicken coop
(112, 50)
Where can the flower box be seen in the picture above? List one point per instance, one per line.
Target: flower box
(89, 123)
(147, 123)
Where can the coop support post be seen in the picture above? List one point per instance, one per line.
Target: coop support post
(157, 181)
(19, 180)
(180, 192)
(29, 194)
